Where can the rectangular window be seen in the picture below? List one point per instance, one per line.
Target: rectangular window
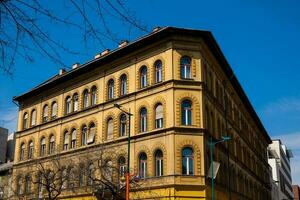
(158, 167)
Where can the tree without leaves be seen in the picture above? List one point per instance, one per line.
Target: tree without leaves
(24, 32)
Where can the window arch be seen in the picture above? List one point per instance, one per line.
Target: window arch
(158, 71)
(158, 163)
(123, 85)
(123, 125)
(84, 135)
(187, 161)
(68, 105)
(66, 140)
(85, 98)
(54, 110)
(186, 112)
(122, 166)
(45, 113)
(43, 146)
(33, 118)
(110, 129)
(110, 89)
(73, 138)
(22, 151)
(185, 67)
(94, 95)
(159, 114)
(75, 102)
(25, 120)
(143, 165)
(51, 144)
(30, 150)
(143, 120)
(92, 132)
(143, 77)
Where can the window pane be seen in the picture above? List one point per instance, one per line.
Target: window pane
(185, 67)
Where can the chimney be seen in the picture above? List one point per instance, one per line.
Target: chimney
(157, 28)
(123, 43)
(61, 71)
(103, 53)
(75, 65)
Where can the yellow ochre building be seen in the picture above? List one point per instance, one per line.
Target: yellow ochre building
(181, 92)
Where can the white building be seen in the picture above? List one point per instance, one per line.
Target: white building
(279, 159)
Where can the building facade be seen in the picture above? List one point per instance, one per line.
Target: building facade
(279, 159)
(3, 144)
(181, 92)
(296, 192)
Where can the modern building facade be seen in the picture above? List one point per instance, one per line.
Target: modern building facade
(181, 92)
(279, 159)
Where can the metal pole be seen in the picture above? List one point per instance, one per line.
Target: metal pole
(212, 168)
(128, 158)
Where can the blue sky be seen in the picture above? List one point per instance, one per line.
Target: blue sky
(259, 38)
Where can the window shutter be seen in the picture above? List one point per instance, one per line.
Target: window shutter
(159, 112)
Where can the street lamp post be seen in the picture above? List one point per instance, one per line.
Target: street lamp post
(211, 147)
(128, 150)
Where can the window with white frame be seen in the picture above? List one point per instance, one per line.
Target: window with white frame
(85, 98)
(123, 85)
(84, 135)
(143, 165)
(22, 152)
(25, 120)
(94, 95)
(66, 140)
(54, 110)
(43, 147)
(68, 105)
(110, 129)
(185, 67)
(123, 125)
(143, 120)
(111, 86)
(158, 163)
(187, 161)
(52, 145)
(33, 118)
(45, 113)
(73, 139)
(30, 150)
(158, 71)
(186, 112)
(159, 116)
(75, 102)
(122, 166)
(91, 135)
(143, 77)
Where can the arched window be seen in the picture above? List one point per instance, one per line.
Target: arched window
(143, 77)
(27, 184)
(43, 146)
(159, 113)
(110, 128)
(22, 151)
(143, 120)
(94, 95)
(45, 113)
(54, 110)
(75, 102)
(33, 118)
(143, 165)
(185, 67)
(187, 161)
(90, 174)
(68, 105)
(92, 132)
(83, 135)
(52, 144)
(123, 123)
(85, 98)
(122, 166)
(123, 85)
(19, 185)
(66, 140)
(73, 139)
(158, 71)
(110, 88)
(30, 150)
(25, 120)
(158, 163)
(186, 112)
